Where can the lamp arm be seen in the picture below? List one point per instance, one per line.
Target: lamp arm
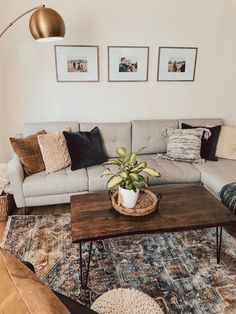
(19, 17)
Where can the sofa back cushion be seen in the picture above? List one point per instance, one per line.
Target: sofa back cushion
(114, 135)
(147, 134)
(22, 292)
(202, 122)
(49, 127)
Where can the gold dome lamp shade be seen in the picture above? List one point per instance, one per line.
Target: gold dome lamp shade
(46, 25)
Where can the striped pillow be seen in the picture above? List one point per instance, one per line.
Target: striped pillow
(185, 144)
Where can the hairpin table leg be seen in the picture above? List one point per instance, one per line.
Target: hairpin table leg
(84, 280)
(218, 243)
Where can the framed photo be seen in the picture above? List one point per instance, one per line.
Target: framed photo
(128, 64)
(176, 64)
(77, 63)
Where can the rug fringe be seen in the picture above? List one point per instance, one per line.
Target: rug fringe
(4, 238)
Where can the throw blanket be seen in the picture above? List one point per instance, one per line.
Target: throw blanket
(4, 181)
(228, 196)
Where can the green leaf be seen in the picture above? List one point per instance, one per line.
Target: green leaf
(106, 172)
(114, 181)
(121, 151)
(139, 167)
(132, 158)
(130, 186)
(141, 182)
(116, 162)
(123, 174)
(134, 176)
(151, 172)
(126, 158)
(139, 185)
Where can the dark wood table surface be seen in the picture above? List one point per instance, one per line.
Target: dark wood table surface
(182, 207)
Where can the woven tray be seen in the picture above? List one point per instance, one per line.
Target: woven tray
(147, 203)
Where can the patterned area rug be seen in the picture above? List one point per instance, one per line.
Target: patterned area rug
(178, 270)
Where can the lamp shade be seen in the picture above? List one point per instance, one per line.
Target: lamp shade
(47, 25)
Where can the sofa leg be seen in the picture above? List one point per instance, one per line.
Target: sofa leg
(24, 211)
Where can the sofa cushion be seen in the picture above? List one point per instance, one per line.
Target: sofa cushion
(50, 127)
(28, 151)
(185, 144)
(22, 292)
(171, 171)
(85, 148)
(60, 182)
(216, 174)
(226, 147)
(52, 199)
(208, 146)
(54, 151)
(95, 181)
(147, 134)
(114, 135)
(204, 122)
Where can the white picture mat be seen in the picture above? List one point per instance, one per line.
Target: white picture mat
(62, 54)
(115, 54)
(187, 54)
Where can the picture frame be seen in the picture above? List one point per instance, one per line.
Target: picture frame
(128, 63)
(177, 64)
(76, 63)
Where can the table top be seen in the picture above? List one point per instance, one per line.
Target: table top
(182, 207)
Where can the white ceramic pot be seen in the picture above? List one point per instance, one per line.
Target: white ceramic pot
(129, 198)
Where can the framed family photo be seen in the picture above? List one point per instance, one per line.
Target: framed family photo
(77, 63)
(177, 63)
(128, 64)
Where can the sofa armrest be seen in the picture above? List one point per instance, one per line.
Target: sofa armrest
(16, 177)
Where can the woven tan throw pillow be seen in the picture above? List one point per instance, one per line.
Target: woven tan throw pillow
(226, 146)
(54, 151)
(185, 144)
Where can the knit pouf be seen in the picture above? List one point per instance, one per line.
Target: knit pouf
(126, 301)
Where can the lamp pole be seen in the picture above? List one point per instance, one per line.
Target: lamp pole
(19, 17)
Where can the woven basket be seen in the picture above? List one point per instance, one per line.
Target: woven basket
(146, 204)
(6, 204)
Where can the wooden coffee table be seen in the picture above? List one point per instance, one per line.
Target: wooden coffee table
(182, 207)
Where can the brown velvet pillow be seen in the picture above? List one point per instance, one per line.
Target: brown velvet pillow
(22, 292)
(28, 151)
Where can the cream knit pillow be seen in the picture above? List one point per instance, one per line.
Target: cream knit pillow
(54, 151)
(226, 146)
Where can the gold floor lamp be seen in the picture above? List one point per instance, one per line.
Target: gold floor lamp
(45, 24)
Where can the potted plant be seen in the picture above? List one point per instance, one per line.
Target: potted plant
(128, 178)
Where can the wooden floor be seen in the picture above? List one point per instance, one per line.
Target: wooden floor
(59, 209)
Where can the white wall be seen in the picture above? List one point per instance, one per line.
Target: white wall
(4, 150)
(31, 92)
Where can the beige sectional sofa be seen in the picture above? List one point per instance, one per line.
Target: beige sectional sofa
(55, 188)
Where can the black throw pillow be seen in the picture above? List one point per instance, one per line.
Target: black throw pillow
(208, 147)
(85, 148)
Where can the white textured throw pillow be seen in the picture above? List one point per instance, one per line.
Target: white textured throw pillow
(185, 144)
(226, 146)
(54, 151)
